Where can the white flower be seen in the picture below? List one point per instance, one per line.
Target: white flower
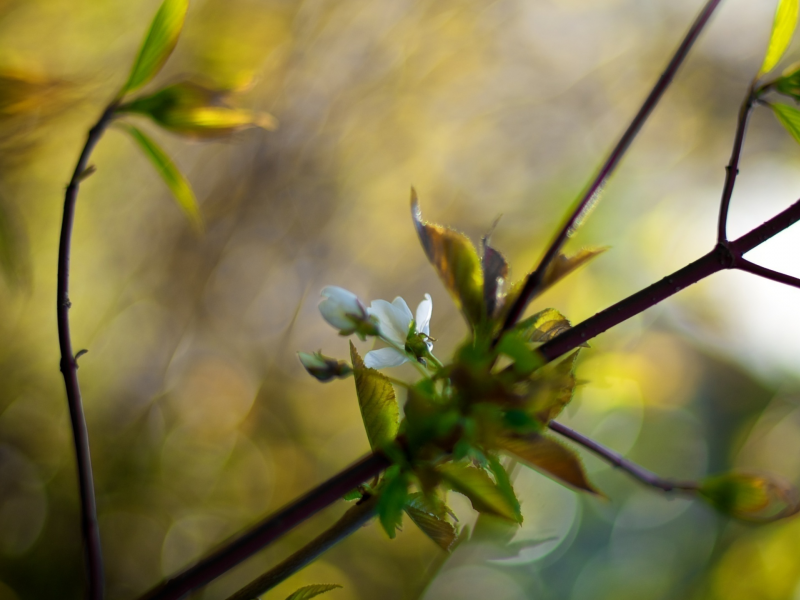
(343, 310)
(394, 321)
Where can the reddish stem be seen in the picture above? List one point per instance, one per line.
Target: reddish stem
(591, 192)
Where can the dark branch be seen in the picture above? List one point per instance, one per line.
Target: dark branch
(619, 461)
(590, 194)
(732, 170)
(69, 369)
(351, 521)
(268, 530)
(724, 256)
(746, 265)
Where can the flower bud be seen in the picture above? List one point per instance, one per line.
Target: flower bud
(323, 367)
(345, 312)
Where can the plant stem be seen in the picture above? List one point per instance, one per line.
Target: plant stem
(727, 255)
(356, 517)
(592, 191)
(732, 170)
(616, 459)
(268, 530)
(69, 368)
(746, 265)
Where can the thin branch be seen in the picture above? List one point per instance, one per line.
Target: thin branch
(746, 265)
(732, 170)
(268, 530)
(592, 191)
(636, 471)
(69, 368)
(356, 517)
(725, 256)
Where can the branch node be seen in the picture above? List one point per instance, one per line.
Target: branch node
(78, 355)
(727, 258)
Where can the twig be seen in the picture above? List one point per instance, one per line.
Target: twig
(746, 265)
(636, 471)
(351, 521)
(69, 368)
(268, 530)
(724, 256)
(732, 170)
(590, 194)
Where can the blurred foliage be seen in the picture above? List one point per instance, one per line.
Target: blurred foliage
(200, 415)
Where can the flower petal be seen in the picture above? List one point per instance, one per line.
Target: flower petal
(424, 311)
(392, 319)
(339, 307)
(385, 357)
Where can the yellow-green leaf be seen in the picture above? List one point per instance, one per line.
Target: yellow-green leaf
(548, 456)
(484, 494)
(158, 44)
(456, 261)
(751, 497)
(309, 591)
(551, 388)
(782, 31)
(434, 525)
(174, 179)
(563, 265)
(789, 117)
(377, 402)
(543, 326)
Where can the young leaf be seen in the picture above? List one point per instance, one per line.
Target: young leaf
(563, 265)
(393, 499)
(158, 45)
(518, 350)
(751, 497)
(484, 494)
(552, 387)
(495, 274)
(170, 174)
(431, 521)
(377, 402)
(456, 261)
(504, 483)
(789, 117)
(309, 591)
(543, 326)
(782, 31)
(550, 457)
(194, 110)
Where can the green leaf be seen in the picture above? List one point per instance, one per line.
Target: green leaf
(392, 501)
(504, 483)
(352, 495)
(175, 181)
(324, 368)
(552, 387)
(548, 456)
(518, 350)
(563, 265)
(756, 498)
(456, 261)
(431, 520)
(485, 495)
(158, 45)
(782, 31)
(789, 117)
(377, 402)
(309, 591)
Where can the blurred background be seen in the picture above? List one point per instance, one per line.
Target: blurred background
(201, 418)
